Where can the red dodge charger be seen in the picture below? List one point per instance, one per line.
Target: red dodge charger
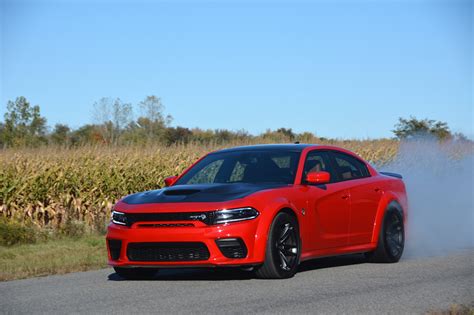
(265, 208)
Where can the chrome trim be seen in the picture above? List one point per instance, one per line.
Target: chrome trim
(224, 221)
(117, 222)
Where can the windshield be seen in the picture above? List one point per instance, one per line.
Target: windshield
(244, 167)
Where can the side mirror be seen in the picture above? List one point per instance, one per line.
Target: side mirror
(170, 180)
(318, 177)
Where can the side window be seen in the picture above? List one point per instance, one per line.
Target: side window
(317, 161)
(237, 173)
(350, 167)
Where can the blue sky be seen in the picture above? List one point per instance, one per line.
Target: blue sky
(343, 69)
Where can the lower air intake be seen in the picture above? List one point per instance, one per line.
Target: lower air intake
(190, 251)
(232, 247)
(114, 248)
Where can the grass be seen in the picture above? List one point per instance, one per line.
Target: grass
(55, 256)
(455, 309)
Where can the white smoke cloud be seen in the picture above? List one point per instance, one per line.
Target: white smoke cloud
(439, 181)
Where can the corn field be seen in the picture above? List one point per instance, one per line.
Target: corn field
(49, 187)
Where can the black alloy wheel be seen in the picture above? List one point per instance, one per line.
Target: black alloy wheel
(283, 249)
(391, 240)
(287, 246)
(394, 237)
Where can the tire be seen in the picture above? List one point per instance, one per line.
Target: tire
(282, 254)
(391, 241)
(135, 273)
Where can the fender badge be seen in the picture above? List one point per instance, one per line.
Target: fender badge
(303, 211)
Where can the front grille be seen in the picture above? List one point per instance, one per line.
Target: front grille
(164, 225)
(232, 247)
(114, 248)
(190, 251)
(205, 217)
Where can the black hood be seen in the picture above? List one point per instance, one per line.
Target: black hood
(198, 193)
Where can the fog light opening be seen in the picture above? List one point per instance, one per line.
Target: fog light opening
(232, 247)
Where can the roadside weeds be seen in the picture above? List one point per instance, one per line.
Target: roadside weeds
(54, 256)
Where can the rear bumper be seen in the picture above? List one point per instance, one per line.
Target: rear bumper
(246, 231)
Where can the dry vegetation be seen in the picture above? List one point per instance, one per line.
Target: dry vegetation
(455, 309)
(52, 187)
(55, 256)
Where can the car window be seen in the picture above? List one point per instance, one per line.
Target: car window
(244, 167)
(207, 174)
(349, 167)
(317, 161)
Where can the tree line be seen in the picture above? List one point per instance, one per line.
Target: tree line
(23, 126)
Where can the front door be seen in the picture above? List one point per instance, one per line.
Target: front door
(328, 205)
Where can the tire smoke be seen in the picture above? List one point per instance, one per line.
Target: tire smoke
(439, 183)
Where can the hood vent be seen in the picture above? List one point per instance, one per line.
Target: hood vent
(180, 192)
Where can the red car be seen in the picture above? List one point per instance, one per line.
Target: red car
(262, 207)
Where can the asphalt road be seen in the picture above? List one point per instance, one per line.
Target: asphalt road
(330, 285)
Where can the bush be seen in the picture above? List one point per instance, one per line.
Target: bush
(74, 229)
(12, 233)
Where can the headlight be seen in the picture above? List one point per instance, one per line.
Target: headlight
(119, 218)
(234, 215)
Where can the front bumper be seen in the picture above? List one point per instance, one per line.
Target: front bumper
(200, 232)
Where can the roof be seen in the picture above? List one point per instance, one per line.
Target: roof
(263, 147)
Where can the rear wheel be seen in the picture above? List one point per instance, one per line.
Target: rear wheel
(135, 273)
(391, 238)
(282, 253)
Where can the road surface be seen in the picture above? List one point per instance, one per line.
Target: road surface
(330, 285)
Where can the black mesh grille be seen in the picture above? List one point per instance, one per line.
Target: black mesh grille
(205, 217)
(232, 247)
(167, 251)
(164, 225)
(114, 248)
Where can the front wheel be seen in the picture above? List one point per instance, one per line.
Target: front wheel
(135, 273)
(391, 238)
(283, 249)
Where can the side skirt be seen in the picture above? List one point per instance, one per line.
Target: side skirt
(328, 252)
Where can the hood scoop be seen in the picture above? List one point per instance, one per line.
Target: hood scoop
(180, 192)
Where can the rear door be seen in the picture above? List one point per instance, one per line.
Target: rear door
(328, 205)
(365, 195)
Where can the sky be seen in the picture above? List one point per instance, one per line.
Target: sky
(342, 69)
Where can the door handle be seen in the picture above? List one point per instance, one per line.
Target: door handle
(378, 190)
(345, 197)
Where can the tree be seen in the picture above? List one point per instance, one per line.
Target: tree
(152, 119)
(413, 128)
(152, 108)
(24, 124)
(113, 116)
(280, 135)
(287, 132)
(306, 137)
(87, 134)
(2, 133)
(60, 134)
(177, 135)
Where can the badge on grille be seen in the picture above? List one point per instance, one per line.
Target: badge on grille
(201, 217)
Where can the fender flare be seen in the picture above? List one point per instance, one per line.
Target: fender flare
(389, 201)
(268, 214)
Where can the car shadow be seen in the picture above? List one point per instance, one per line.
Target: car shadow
(236, 274)
(332, 262)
